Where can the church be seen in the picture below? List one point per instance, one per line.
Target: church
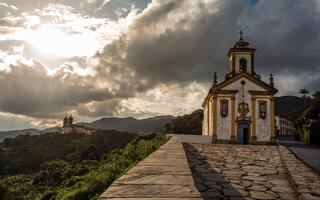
(240, 109)
(69, 127)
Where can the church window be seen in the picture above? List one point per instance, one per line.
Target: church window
(224, 108)
(263, 109)
(243, 64)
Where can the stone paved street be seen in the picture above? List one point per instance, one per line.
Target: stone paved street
(306, 181)
(225, 171)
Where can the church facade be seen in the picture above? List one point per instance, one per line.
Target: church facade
(69, 127)
(240, 109)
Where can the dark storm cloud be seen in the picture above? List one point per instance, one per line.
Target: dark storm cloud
(167, 45)
(28, 90)
(287, 35)
(171, 42)
(183, 41)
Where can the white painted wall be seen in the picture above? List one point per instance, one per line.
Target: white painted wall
(223, 123)
(263, 127)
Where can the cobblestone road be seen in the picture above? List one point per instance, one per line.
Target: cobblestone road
(225, 171)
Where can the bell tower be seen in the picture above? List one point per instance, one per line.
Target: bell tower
(241, 57)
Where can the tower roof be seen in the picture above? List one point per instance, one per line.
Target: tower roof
(241, 45)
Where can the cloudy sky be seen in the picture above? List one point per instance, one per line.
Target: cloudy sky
(142, 58)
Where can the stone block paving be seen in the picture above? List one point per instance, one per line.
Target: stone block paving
(305, 181)
(163, 175)
(225, 171)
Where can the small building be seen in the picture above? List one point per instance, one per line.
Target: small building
(284, 126)
(240, 109)
(69, 127)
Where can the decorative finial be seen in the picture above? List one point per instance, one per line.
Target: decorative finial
(271, 80)
(215, 79)
(241, 33)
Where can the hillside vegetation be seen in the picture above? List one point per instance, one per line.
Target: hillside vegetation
(291, 107)
(131, 124)
(186, 124)
(308, 123)
(70, 166)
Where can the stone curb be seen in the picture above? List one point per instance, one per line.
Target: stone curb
(303, 179)
(304, 162)
(293, 183)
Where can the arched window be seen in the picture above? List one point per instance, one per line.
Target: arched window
(243, 64)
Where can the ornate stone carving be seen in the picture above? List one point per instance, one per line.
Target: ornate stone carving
(271, 81)
(230, 75)
(255, 75)
(243, 109)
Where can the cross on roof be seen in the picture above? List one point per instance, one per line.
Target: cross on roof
(241, 33)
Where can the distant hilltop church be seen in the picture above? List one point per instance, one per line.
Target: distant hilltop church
(69, 127)
(240, 109)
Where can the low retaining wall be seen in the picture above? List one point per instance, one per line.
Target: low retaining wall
(163, 174)
(201, 139)
(304, 180)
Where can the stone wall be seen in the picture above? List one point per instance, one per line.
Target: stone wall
(164, 174)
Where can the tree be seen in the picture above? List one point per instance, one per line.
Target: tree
(186, 124)
(304, 92)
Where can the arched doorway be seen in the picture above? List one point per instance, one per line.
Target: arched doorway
(243, 133)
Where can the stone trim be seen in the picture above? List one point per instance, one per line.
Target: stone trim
(253, 108)
(233, 119)
(262, 84)
(272, 139)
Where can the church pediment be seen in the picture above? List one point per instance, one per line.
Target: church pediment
(232, 83)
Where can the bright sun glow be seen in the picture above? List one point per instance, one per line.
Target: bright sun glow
(50, 40)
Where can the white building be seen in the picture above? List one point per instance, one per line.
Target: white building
(69, 127)
(240, 109)
(284, 126)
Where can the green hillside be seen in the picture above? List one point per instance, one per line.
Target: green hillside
(70, 166)
(290, 107)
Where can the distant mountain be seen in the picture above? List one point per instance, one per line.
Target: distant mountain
(32, 131)
(131, 124)
(14, 133)
(52, 130)
(290, 107)
(128, 124)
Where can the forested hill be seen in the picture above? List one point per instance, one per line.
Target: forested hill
(12, 134)
(131, 124)
(290, 107)
(128, 124)
(69, 166)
